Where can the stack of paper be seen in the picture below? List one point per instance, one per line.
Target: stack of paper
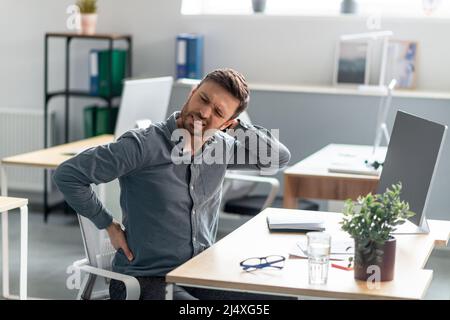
(355, 164)
(354, 167)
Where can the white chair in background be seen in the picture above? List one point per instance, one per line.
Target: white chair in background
(239, 183)
(239, 201)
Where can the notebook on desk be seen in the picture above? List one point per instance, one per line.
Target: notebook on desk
(294, 222)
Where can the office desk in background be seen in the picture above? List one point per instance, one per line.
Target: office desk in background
(49, 158)
(218, 266)
(310, 178)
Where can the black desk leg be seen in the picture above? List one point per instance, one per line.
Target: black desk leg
(110, 86)
(46, 208)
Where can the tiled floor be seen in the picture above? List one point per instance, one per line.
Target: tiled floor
(55, 245)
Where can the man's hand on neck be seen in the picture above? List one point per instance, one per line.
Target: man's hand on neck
(197, 139)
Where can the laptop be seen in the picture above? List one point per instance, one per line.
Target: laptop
(143, 101)
(288, 221)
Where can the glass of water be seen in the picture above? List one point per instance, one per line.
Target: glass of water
(319, 244)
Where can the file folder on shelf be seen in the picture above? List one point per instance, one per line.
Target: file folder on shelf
(189, 56)
(99, 72)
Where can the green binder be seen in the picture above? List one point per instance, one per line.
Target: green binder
(97, 120)
(118, 71)
(89, 123)
(103, 119)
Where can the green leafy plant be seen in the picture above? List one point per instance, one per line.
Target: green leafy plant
(372, 220)
(87, 6)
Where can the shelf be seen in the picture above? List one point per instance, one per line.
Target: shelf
(66, 92)
(347, 90)
(335, 90)
(78, 93)
(105, 36)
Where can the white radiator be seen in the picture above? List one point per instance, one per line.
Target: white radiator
(22, 130)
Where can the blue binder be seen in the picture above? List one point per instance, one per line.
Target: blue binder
(93, 72)
(189, 56)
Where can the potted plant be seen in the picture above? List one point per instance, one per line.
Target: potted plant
(371, 223)
(258, 6)
(349, 6)
(88, 11)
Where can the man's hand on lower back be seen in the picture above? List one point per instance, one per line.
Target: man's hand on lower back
(118, 239)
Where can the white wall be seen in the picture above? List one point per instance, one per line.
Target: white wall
(25, 22)
(301, 50)
(269, 48)
(292, 50)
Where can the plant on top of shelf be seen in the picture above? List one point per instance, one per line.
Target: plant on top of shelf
(88, 10)
(87, 6)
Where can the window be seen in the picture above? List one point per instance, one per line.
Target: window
(394, 8)
(216, 7)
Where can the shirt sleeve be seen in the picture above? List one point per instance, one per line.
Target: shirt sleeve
(256, 148)
(98, 165)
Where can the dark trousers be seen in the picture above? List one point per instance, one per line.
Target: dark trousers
(154, 288)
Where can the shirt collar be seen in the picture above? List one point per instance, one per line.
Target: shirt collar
(172, 121)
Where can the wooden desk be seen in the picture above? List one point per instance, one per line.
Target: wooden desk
(49, 158)
(218, 267)
(310, 178)
(7, 203)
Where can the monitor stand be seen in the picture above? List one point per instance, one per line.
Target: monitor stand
(410, 228)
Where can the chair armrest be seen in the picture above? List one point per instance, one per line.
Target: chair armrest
(272, 182)
(132, 287)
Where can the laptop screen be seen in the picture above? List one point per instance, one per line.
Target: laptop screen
(412, 158)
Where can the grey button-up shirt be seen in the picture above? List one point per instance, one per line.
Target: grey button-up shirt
(169, 210)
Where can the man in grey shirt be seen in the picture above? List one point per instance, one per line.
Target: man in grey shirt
(170, 188)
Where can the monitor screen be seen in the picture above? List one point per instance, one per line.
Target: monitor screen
(143, 99)
(412, 158)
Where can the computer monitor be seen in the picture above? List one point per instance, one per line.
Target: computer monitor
(412, 158)
(143, 99)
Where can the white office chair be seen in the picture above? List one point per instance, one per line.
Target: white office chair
(100, 252)
(239, 205)
(239, 183)
(99, 255)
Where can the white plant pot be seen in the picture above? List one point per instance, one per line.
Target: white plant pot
(88, 23)
(259, 6)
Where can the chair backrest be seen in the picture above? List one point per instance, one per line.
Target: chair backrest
(237, 189)
(97, 244)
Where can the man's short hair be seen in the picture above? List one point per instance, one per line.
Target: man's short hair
(234, 82)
